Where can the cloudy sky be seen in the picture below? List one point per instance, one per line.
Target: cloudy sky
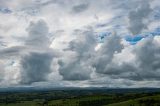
(79, 43)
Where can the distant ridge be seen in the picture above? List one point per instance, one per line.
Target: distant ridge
(97, 89)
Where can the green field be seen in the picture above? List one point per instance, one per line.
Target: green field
(144, 101)
(79, 98)
(95, 100)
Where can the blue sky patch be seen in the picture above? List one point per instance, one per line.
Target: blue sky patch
(101, 36)
(133, 39)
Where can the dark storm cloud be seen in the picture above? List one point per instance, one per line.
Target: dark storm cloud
(137, 16)
(36, 67)
(80, 8)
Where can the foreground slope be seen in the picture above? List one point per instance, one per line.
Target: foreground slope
(144, 101)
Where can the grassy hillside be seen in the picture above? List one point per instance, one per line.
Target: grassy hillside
(96, 100)
(144, 101)
(79, 98)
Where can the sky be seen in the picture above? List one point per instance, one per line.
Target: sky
(80, 43)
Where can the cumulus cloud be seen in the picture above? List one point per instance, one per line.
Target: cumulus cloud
(36, 64)
(38, 35)
(35, 67)
(74, 65)
(74, 57)
(104, 56)
(138, 16)
(144, 65)
(148, 59)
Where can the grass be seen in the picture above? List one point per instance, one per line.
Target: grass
(94, 100)
(144, 101)
(24, 103)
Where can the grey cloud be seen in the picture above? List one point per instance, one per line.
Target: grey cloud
(136, 17)
(80, 8)
(48, 2)
(147, 62)
(148, 58)
(114, 70)
(11, 51)
(35, 67)
(1, 72)
(37, 46)
(110, 82)
(78, 66)
(38, 34)
(146, 65)
(79, 60)
(125, 4)
(74, 71)
(5, 10)
(104, 57)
